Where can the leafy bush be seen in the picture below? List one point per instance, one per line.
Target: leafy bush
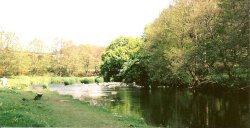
(99, 80)
(84, 81)
(88, 80)
(64, 80)
(66, 83)
(69, 81)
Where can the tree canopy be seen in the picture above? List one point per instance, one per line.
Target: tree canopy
(192, 42)
(64, 59)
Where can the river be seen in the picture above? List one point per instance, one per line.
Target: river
(164, 107)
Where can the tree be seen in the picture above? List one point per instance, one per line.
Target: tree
(167, 43)
(117, 55)
(74, 60)
(38, 58)
(197, 42)
(8, 41)
(232, 38)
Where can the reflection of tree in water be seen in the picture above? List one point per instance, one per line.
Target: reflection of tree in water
(179, 108)
(124, 102)
(162, 107)
(185, 109)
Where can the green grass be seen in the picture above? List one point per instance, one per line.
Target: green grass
(18, 109)
(16, 112)
(21, 82)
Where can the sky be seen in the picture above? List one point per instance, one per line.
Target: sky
(95, 22)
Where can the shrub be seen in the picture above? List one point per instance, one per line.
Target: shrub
(99, 80)
(63, 80)
(84, 81)
(66, 82)
(72, 80)
(88, 80)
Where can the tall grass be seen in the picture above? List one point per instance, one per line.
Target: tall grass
(20, 82)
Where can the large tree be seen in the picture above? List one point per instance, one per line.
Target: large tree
(38, 58)
(8, 43)
(117, 56)
(197, 42)
(75, 60)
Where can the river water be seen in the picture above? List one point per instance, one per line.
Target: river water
(163, 107)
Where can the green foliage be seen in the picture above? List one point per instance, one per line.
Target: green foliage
(196, 41)
(56, 80)
(22, 82)
(99, 80)
(72, 60)
(84, 81)
(88, 80)
(64, 80)
(232, 36)
(65, 59)
(190, 43)
(116, 55)
(71, 80)
(67, 82)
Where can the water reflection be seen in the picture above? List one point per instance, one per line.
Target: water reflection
(177, 108)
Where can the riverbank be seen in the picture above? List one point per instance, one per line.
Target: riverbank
(18, 109)
(22, 82)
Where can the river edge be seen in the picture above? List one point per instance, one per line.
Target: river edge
(203, 88)
(18, 109)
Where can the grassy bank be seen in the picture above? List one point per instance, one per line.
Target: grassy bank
(20, 82)
(17, 108)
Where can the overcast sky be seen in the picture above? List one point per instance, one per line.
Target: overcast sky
(82, 21)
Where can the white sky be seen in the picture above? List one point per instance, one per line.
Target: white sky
(82, 21)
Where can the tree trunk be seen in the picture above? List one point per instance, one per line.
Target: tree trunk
(195, 78)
